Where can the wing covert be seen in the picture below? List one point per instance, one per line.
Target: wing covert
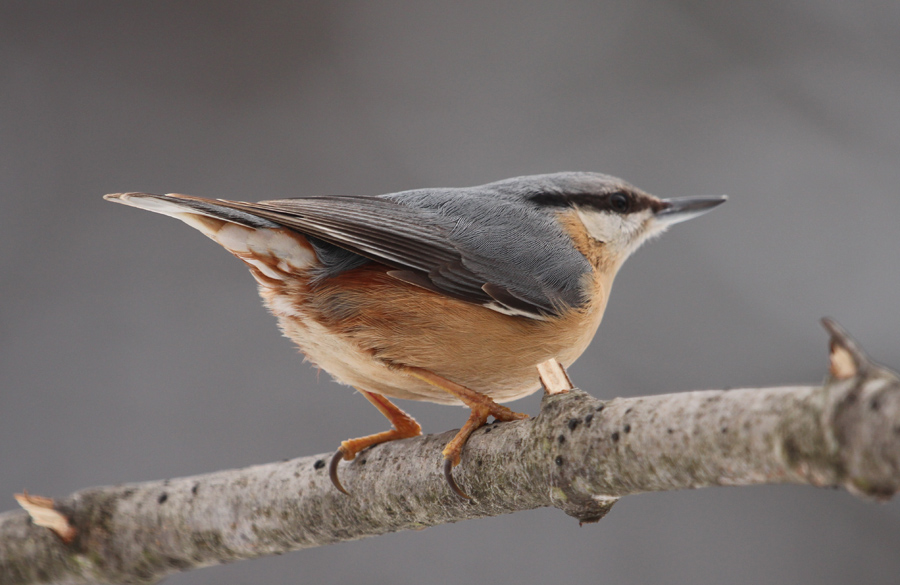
(425, 246)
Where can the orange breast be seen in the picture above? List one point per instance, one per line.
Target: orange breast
(360, 323)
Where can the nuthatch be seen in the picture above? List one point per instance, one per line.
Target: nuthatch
(447, 295)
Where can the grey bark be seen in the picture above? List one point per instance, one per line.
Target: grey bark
(580, 455)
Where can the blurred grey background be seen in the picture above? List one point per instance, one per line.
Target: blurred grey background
(132, 348)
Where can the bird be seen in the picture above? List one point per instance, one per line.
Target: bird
(447, 295)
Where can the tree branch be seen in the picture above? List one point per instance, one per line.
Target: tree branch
(579, 454)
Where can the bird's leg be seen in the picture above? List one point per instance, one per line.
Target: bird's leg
(482, 407)
(405, 427)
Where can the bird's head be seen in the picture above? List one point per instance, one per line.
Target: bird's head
(609, 219)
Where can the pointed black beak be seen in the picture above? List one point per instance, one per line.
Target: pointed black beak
(684, 208)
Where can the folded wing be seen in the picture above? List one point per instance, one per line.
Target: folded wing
(421, 245)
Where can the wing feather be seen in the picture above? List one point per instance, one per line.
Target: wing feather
(423, 247)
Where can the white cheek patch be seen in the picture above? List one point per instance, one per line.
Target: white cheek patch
(625, 232)
(602, 226)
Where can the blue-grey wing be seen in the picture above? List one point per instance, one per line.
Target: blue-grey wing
(465, 244)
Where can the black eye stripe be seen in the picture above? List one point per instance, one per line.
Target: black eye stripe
(617, 202)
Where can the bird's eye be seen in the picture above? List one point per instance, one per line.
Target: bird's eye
(620, 202)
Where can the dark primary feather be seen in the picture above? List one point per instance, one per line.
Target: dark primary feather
(486, 244)
(332, 259)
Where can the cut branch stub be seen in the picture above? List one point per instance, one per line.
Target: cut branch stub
(846, 358)
(865, 418)
(554, 377)
(43, 513)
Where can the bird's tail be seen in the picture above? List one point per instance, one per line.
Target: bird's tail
(188, 208)
(265, 246)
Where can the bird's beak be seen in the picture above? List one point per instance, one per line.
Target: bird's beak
(682, 209)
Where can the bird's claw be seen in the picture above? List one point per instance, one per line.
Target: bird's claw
(448, 475)
(333, 470)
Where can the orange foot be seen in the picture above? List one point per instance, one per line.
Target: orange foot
(405, 426)
(482, 407)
